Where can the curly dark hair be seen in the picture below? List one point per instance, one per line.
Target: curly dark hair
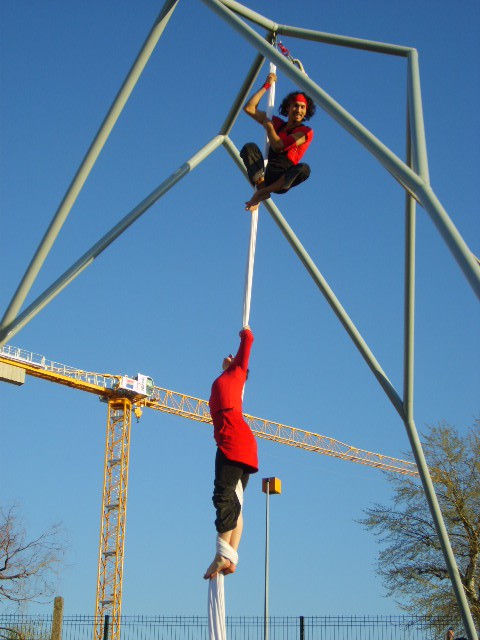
(311, 107)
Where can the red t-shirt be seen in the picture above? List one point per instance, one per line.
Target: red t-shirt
(291, 149)
(232, 434)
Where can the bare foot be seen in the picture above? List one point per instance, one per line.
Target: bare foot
(230, 569)
(255, 200)
(219, 564)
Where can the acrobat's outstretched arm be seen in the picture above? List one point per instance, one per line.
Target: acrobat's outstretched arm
(251, 108)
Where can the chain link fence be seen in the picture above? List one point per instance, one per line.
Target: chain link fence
(20, 627)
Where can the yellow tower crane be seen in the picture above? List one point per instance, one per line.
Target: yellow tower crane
(125, 396)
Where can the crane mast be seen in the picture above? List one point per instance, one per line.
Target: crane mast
(123, 396)
(113, 516)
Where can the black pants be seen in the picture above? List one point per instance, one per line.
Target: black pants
(278, 165)
(227, 475)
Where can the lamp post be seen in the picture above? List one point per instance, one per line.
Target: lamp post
(269, 486)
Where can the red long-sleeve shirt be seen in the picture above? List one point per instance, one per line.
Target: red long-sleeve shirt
(291, 149)
(232, 434)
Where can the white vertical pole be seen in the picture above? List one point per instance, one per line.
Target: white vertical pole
(254, 221)
(267, 545)
(270, 105)
(249, 271)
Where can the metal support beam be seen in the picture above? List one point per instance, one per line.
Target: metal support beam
(343, 41)
(413, 155)
(326, 291)
(86, 260)
(253, 16)
(401, 407)
(409, 295)
(242, 95)
(442, 533)
(400, 171)
(416, 126)
(315, 36)
(87, 164)
(414, 177)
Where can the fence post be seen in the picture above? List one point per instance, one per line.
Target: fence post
(105, 626)
(302, 628)
(57, 618)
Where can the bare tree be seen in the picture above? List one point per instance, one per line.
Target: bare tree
(410, 562)
(27, 566)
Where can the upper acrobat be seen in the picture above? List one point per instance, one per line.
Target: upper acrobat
(289, 139)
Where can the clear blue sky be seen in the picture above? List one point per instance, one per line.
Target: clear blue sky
(166, 298)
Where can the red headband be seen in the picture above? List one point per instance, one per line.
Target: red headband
(300, 98)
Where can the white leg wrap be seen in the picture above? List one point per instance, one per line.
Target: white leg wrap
(226, 551)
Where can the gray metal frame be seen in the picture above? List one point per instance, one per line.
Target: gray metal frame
(412, 175)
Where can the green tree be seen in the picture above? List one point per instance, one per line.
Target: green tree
(410, 561)
(27, 566)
